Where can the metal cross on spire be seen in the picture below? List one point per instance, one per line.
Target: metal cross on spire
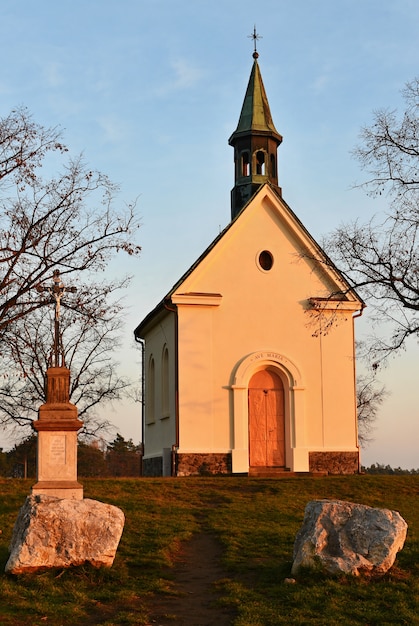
(255, 36)
(57, 291)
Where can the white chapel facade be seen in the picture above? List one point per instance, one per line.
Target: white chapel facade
(249, 360)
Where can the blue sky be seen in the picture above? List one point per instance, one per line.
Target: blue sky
(150, 91)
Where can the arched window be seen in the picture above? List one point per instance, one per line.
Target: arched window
(245, 164)
(260, 162)
(165, 405)
(151, 393)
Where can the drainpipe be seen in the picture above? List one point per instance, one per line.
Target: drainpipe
(142, 344)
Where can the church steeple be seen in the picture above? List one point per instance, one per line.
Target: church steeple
(255, 142)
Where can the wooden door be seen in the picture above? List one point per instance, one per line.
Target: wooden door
(266, 420)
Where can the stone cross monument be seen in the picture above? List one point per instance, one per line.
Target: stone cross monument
(57, 423)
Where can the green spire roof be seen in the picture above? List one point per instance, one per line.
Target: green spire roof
(255, 115)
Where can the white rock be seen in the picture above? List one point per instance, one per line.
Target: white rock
(51, 532)
(340, 536)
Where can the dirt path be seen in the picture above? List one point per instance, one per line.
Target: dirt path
(194, 599)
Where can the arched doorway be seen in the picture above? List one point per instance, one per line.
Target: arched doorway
(266, 420)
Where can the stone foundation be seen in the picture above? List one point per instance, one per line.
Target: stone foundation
(210, 464)
(334, 462)
(153, 467)
(203, 464)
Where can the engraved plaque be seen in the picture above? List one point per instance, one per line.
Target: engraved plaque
(57, 450)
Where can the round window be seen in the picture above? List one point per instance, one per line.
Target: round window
(266, 260)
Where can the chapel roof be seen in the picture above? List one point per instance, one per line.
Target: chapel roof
(255, 120)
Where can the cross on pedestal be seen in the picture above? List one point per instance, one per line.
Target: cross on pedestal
(57, 291)
(58, 424)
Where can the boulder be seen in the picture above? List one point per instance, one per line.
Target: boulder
(51, 532)
(344, 537)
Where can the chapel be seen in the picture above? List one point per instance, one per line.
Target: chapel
(249, 360)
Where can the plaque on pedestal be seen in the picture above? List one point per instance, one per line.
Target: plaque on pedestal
(57, 428)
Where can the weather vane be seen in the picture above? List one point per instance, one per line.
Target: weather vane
(255, 36)
(57, 291)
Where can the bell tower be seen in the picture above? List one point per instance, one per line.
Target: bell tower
(255, 142)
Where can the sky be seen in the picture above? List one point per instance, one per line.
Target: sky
(150, 91)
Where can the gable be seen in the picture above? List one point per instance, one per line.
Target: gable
(234, 262)
(267, 233)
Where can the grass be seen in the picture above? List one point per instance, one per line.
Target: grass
(256, 521)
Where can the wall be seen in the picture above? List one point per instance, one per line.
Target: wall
(160, 423)
(259, 310)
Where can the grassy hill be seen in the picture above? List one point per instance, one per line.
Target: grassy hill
(256, 521)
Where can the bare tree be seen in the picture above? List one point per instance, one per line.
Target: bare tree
(88, 346)
(381, 258)
(369, 398)
(389, 149)
(66, 222)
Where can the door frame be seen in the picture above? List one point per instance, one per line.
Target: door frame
(292, 380)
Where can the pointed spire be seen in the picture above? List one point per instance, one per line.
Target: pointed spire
(255, 141)
(255, 115)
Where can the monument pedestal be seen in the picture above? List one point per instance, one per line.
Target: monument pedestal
(57, 429)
